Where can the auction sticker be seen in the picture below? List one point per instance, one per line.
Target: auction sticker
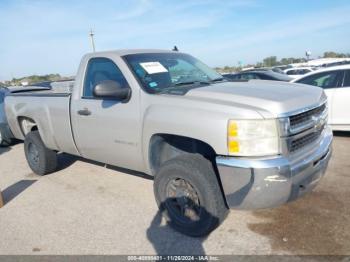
(153, 67)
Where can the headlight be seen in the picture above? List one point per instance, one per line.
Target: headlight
(252, 137)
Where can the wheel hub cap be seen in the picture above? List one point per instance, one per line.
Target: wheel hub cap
(183, 200)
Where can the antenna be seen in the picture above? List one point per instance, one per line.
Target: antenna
(92, 40)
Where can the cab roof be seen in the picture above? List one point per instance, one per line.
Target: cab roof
(123, 52)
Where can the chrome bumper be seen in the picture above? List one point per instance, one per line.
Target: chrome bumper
(262, 183)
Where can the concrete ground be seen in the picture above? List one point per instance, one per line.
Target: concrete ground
(86, 208)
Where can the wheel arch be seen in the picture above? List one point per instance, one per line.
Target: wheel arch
(26, 125)
(163, 147)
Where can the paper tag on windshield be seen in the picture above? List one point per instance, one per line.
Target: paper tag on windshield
(153, 67)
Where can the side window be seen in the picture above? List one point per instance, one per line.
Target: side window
(324, 80)
(98, 70)
(291, 72)
(232, 77)
(254, 76)
(265, 77)
(347, 79)
(249, 76)
(245, 76)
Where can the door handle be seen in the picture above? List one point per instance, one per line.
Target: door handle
(84, 112)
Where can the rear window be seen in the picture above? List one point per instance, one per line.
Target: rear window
(298, 72)
(292, 72)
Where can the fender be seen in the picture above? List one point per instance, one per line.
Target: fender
(175, 120)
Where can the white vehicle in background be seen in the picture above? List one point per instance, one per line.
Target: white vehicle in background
(297, 72)
(336, 83)
(322, 62)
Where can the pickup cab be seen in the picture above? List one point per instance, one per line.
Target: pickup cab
(211, 144)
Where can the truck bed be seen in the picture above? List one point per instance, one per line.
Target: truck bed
(50, 110)
(46, 93)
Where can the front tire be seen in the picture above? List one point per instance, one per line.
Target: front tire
(40, 159)
(188, 194)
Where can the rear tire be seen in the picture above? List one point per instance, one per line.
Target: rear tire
(40, 159)
(188, 194)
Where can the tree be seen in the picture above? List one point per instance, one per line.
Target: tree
(270, 61)
(331, 54)
(35, 79)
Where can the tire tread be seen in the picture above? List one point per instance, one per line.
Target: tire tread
(199, 166)
(47, 157)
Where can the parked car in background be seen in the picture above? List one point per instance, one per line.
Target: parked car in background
(283, 67)
(277, 70)
(57, 86)
(262, 75)
(5, 133)
(346, 62)
(6, 136)
(336, 83)
(297, 72)
(274, 69)
(64, 86)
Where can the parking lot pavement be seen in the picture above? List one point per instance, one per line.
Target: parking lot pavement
(88, 209)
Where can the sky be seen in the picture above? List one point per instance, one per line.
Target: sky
(41, 37)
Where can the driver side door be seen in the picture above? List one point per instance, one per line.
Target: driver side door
(106, 130)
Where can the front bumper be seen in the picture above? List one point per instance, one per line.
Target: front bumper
(262, 183)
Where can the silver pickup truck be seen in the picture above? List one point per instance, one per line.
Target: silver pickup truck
(210, 144)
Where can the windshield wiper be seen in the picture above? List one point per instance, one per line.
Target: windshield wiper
(180, 87)
(219, 79)
(192, 83)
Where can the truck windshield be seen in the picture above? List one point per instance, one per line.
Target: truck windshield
(160, 72)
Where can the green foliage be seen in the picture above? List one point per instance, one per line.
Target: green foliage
(332, 54)
(35, 79)
(291, 60)
(270, 61)
(228, 69)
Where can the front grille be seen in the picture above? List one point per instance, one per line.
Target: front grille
(304, 118)
(304, 140)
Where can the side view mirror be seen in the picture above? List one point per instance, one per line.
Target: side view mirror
(112, 89)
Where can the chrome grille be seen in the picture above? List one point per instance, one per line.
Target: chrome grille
(307, 118)
(303, 128)
(305, 140)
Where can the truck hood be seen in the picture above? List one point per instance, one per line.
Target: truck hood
(269, 98)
